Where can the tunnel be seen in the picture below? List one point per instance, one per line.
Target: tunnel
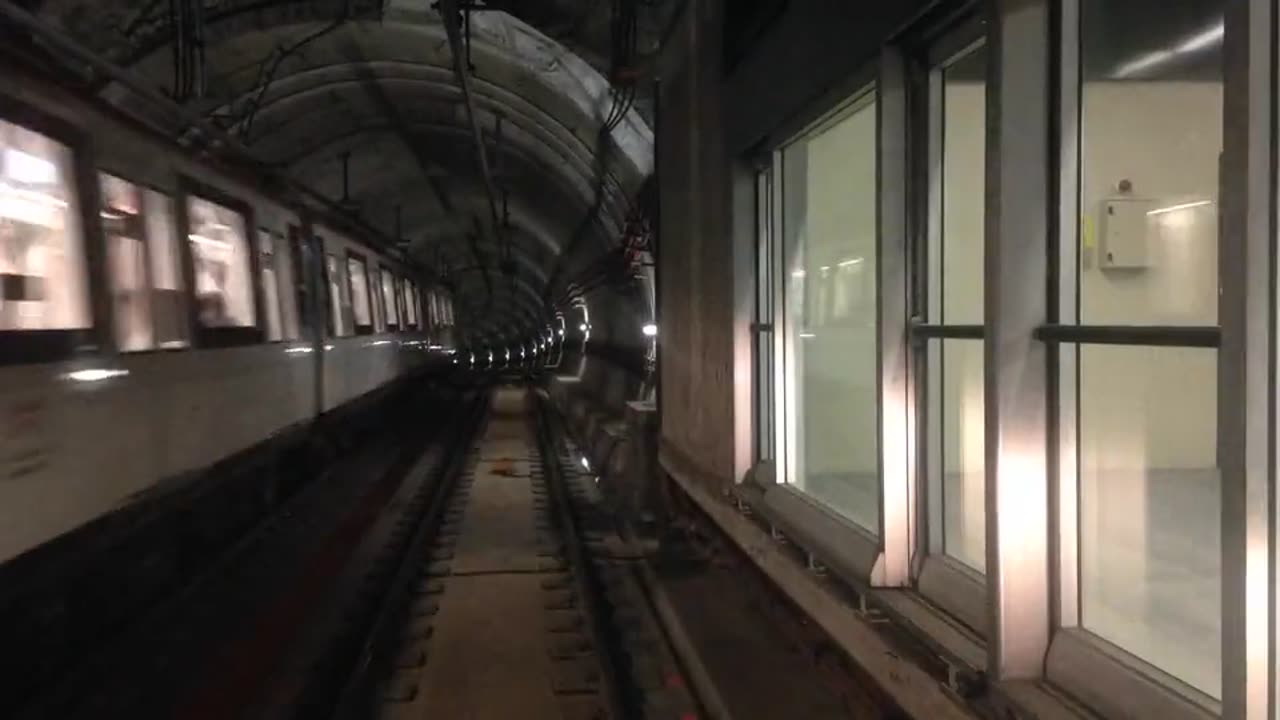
(639, 359)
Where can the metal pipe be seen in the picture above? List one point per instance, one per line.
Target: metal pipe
(449, 15)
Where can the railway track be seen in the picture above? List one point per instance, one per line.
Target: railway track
(516, 599)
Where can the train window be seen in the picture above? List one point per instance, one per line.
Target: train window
(410, 313)
(42, 270)
(220, 261)
(389, 299)
(337, 298)
(270, 285)
(419, 315)
(168, 301)
(357, 277)
(375, 295)
(300, 265)
(126, 257)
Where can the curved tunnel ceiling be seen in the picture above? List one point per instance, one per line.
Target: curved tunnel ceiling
(305, 83)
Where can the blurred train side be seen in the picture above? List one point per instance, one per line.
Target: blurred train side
(89, 429)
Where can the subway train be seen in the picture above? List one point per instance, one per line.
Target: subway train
(161, 312)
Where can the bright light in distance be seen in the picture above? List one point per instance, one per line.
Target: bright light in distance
(561, 332)
(649, 330)
(586, 464)
(299, 350)
(91, 375)
(583, 327)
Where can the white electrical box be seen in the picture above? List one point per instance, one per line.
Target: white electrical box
(1124, 242)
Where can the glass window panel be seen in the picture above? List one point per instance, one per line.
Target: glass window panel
(955, 384)
(956, 393)
(1150, 137)
(389, 299)
(1149, 488)
(410, 316)
(168, 300)
(43, 284)
(220, 259)
(337, 299)
(964, 97)
(1150, 566)
(829, 241)
(379, 319)
(270, 286)
(359, 291)
(300, 268)
(124, 230)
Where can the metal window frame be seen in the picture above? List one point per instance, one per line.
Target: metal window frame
(842, 545)
(1247, 361)
(958, 589)
(1016, 266)
(763, 304)
(1108, 678)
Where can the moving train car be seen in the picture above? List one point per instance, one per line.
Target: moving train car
(160, 313)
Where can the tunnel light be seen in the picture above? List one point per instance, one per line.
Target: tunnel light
(1182, 206)
(92, 375)
(300, 350)
(807, 335)
(650, 330)
(1210, 36)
